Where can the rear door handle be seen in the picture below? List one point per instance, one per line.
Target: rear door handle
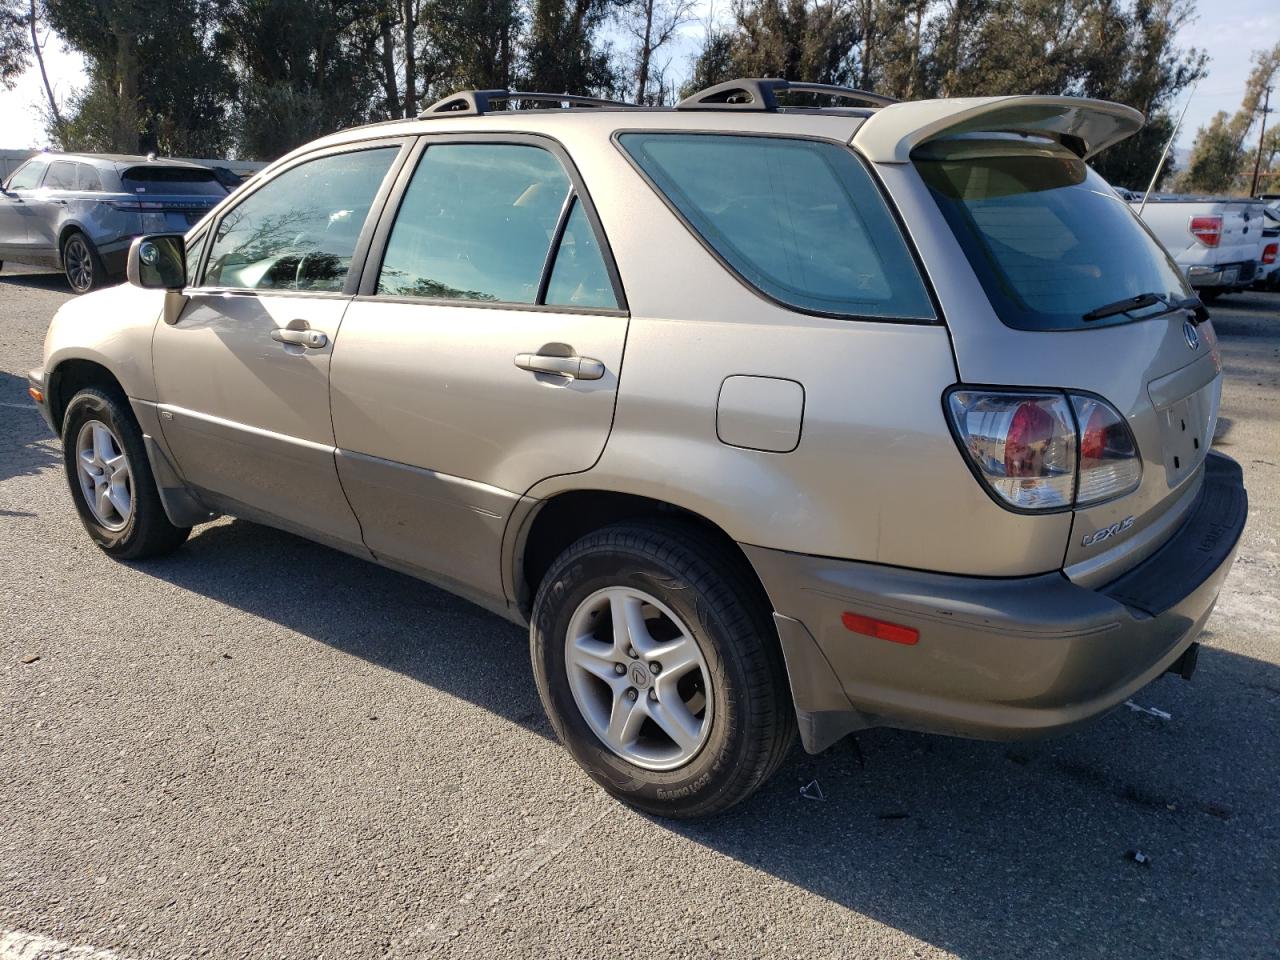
(311, 339)
(575, 368)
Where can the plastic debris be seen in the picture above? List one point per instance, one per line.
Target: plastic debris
(1153, 711)
(1137, 856)
(813, 791)
(31, 658)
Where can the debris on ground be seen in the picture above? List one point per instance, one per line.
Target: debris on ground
(1137, 856)
(812, 791)
(31, 658)
(1153, 711)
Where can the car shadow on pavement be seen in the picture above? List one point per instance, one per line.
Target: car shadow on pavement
(1140, 835)
(27, 445)
(386, 618)
(35, 281)
(985, 850)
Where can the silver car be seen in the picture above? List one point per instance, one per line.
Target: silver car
(766, 420)
(79, 212)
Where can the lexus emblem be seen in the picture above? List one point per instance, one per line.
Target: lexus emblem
(639, 674)
(1193, 338)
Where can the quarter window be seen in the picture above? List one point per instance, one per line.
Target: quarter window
(800, 220)
(300, 229)
(579, 278)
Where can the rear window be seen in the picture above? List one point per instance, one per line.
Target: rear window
(173, 181)
(800, 220)
(1049, 240)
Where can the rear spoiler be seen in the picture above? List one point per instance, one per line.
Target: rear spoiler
(1082, 126)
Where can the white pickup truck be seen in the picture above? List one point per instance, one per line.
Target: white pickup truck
(1215, 240)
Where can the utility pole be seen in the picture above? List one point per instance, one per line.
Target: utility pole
(1262, 136)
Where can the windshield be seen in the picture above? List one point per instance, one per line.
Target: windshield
(173, 180)
(1048, 238)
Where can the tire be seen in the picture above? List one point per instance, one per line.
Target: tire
(142, 530)
(1210, 294)
(704, 596)
(81, 264)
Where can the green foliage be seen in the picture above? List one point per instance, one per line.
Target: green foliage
(563, 53)
(1221, 158)
(469, 44)
(15, 40)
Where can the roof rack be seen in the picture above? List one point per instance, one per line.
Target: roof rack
(475, 103)
(760, 93)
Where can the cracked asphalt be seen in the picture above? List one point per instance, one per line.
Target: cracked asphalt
(262, 748)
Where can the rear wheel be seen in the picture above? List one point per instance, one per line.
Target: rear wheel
(1209, 294)
(658, 666)
(81, 264)
(110, 478)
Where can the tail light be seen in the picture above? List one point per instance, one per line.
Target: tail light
(1269, 253)
(1045, 450)
(1208, 230)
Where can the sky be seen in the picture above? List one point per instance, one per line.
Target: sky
(1228, 30)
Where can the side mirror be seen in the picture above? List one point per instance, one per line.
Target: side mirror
(158, 262)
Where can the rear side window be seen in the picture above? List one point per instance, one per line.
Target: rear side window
(800, 220)
(1046, 236)
(27, 176)
(188, 181)
(61, 176)
(87, 178)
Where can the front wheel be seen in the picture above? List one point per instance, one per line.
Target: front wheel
(658, 666)
(110, 478)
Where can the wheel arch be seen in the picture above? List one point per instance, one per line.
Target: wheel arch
(72, 375)
(551, 525)
(65, 231)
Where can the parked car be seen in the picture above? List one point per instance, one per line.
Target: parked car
(79, 212)
(914, 429)
(1214, 239)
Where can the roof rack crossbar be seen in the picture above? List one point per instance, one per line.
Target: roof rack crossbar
(475, 103)
(760, 93)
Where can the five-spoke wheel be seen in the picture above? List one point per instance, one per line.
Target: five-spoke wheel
(104, 475)
(638, 677)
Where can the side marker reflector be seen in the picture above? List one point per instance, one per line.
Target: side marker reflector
(880, 629)
(36, 395)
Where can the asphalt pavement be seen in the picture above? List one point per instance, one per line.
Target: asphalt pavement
(258, 747)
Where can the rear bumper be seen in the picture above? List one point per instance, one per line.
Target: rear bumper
(996, 659)
(1236, 275)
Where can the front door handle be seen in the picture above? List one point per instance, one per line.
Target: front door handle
(300, 337)
(575, 368)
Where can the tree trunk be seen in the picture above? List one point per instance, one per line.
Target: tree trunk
(58, 122)
(646, 53)
(390, 93)
(410, 11)
(126, 134)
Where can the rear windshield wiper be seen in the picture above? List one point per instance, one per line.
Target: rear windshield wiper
(1124, 306)
(1190, 304)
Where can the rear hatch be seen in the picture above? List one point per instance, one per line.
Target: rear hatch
(1056, 251)
(171, 197)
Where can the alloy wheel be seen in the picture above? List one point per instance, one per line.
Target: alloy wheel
(105, 478)
(639, 678)
(79, 264)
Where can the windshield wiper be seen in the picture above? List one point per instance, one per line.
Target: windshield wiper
(1190, 304)
(1124, 306)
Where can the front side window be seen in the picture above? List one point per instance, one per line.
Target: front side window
(27, 176)
(1049, 240)
(800, 220)
(476, 223)
(300, 229)
(61, 176)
